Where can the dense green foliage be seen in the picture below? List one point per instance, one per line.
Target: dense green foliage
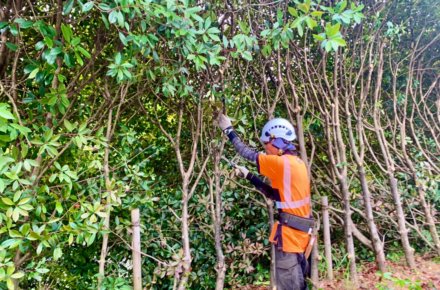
(106, 105)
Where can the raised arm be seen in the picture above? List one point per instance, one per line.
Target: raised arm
(259, 184)
(243, 149)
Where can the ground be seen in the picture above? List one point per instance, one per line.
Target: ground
(426, 275)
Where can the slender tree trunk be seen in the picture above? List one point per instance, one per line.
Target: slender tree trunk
(403, 231)
(273, 268)
(186, 262)
(106, 226)
(221, 266)
(136, 249)
(314, 275)
(327, 238)
(375, 239)
(429, 219)
(348, 234)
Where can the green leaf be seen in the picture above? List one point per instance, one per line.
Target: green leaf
(17, 275)
(11, 243)
(207, 23)
(293, 11)
(243, 27)
(33, 73)
(69, 126)
(317, 13)
(123, 38)
(214, 37)
(193, 10)
(23, 130)
(38, 46)
(14, 30)
(57, 253)
(42, 270)
(311, 23)
(59, 207)
(213, 30)
(23, 23)
(120, 18)
(33, 236)
(55, 51)
(7, 201)
(340, 41)
(113, 17)
(332, 30)
(5, 112)
(11, 46)
(342, 5)
(104, 6)
(24, 200)
(67, 7)
(17, 195)
(118, 58)
(40, 248)
(76, 41)
(67, 32)
(3, 24)
(84, 52)
(86, 7)
(247, 55)
(300, 29)
(91, 239)
(5, 160)
(319, 37)
(15, 214)
(2, 186)
(15, 234)
(10, 284)
(304, 7)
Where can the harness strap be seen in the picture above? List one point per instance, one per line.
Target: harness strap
(299, 223)
(278, 237)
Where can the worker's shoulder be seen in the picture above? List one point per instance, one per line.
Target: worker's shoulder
(264, 158)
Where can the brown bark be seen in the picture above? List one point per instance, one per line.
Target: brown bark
(136, 249)
(106, 226)
(327, 238)
(218, 221)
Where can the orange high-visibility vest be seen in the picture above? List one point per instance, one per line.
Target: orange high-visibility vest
(288, 175)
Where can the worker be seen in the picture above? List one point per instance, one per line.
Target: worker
(290, 189)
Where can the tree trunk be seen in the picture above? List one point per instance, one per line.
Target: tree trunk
(314, 275)
(136, 249)
(106, 226)
(403, 231)
(186, 262)
(349, 235)
(273, 268)
(375, 239)
(221, 266)
(429, 220)
(327, 238)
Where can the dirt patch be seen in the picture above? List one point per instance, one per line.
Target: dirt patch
(426, 275)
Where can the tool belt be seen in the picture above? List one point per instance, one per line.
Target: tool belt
(296, 222)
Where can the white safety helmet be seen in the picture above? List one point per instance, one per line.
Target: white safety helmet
(278, 128)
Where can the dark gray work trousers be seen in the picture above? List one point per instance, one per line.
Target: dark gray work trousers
(290, 271)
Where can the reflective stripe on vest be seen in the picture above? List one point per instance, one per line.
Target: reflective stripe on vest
(288, 203)
(293, 204)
